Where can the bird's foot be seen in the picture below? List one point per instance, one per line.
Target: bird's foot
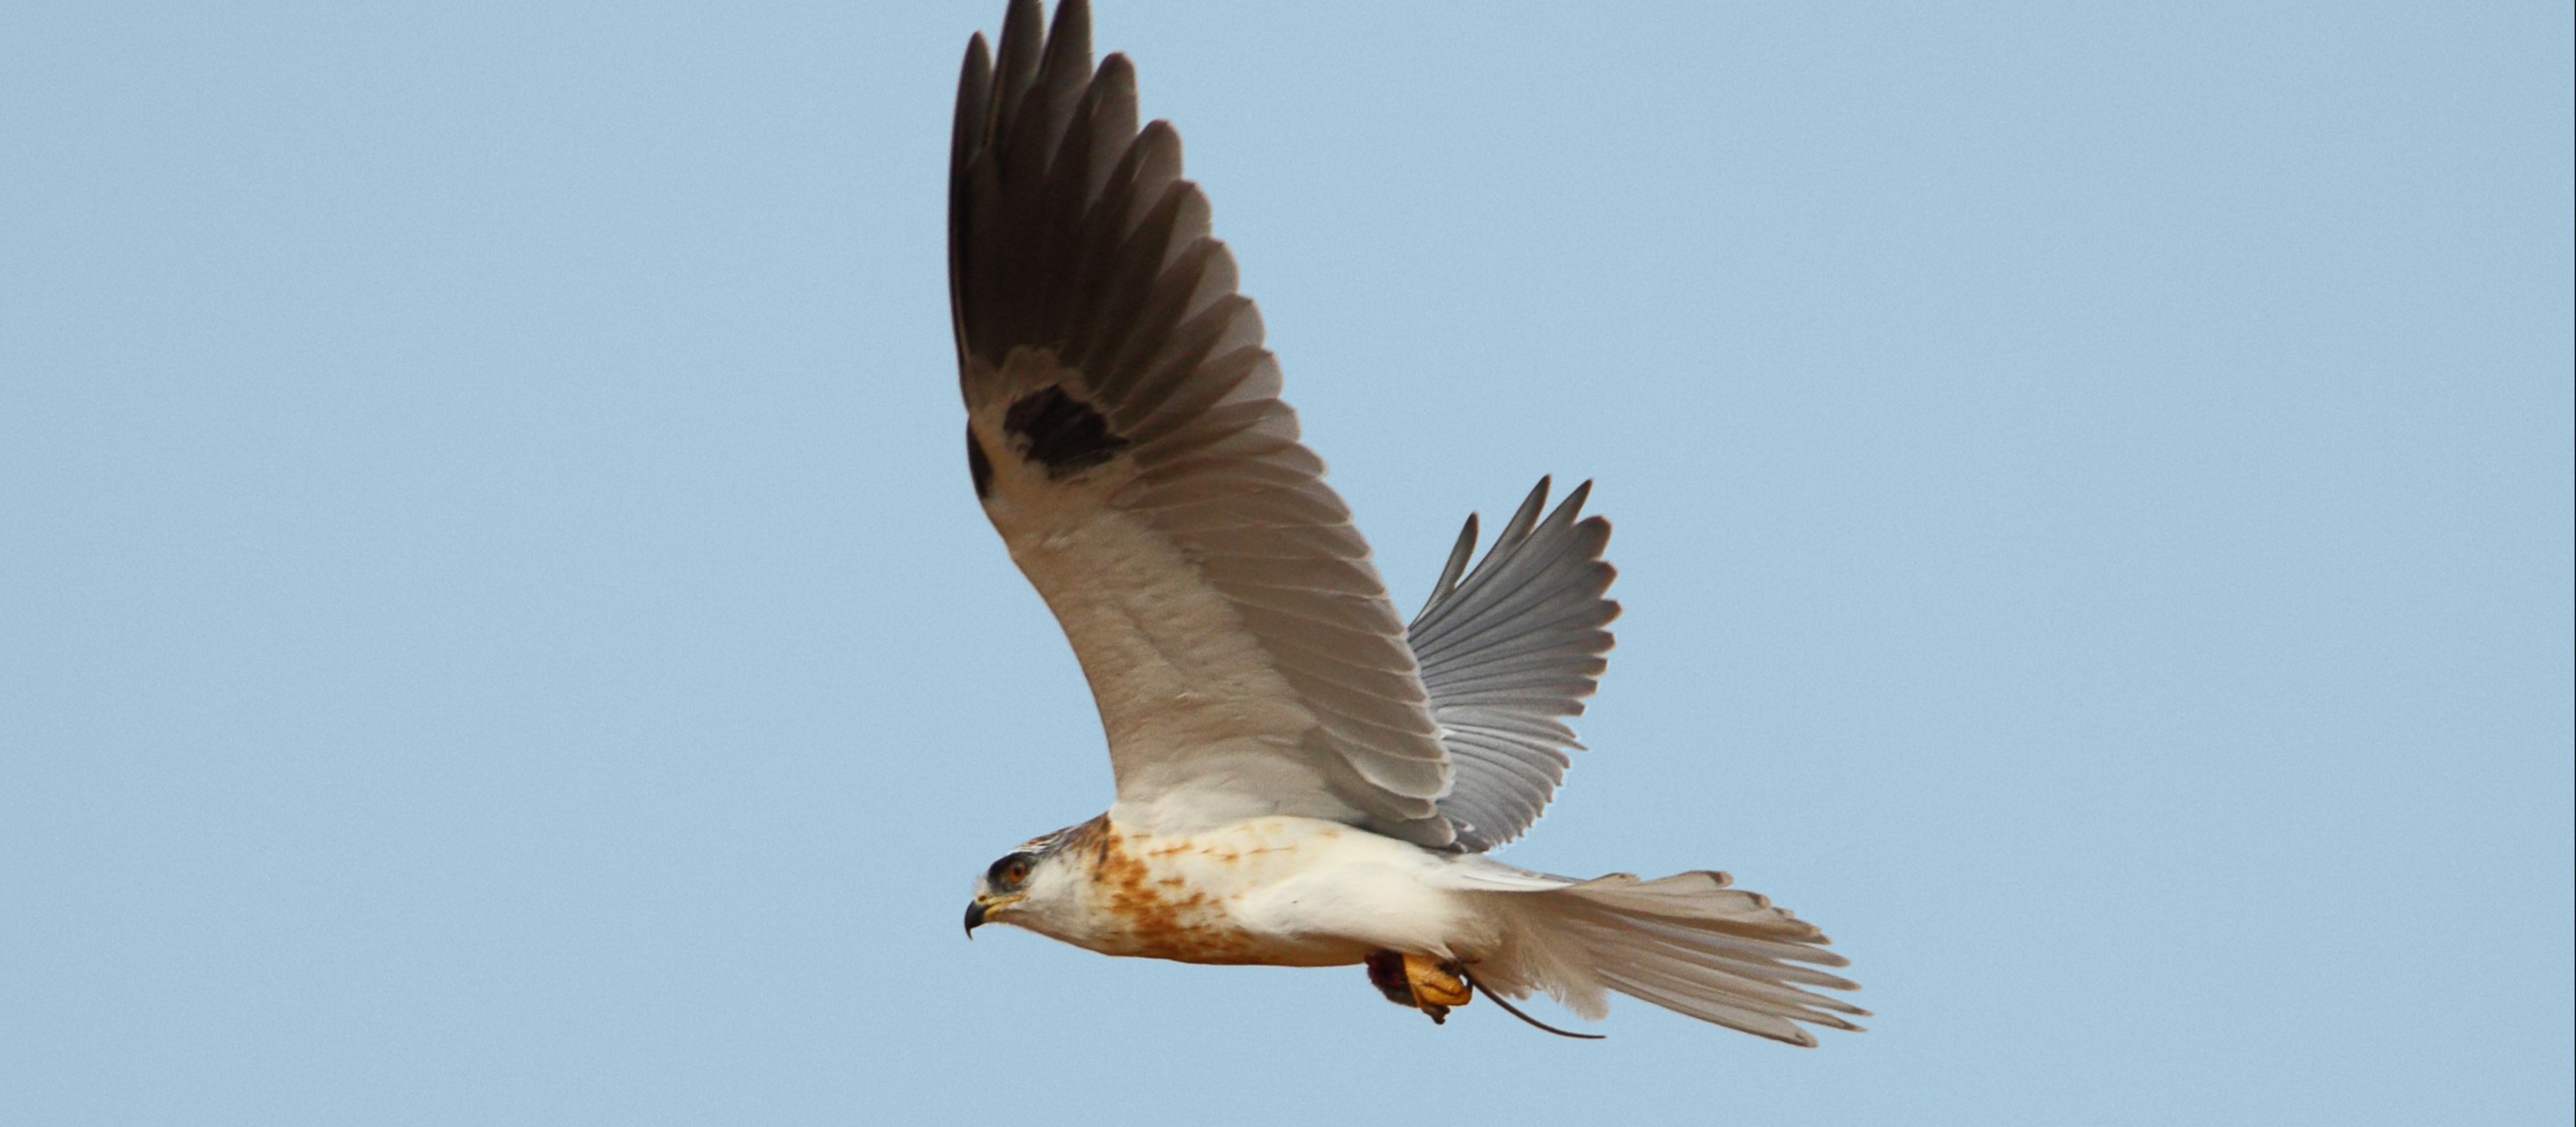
(1422, 982)
(1436, 982)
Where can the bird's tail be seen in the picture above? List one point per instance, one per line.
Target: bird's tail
(1687, 942)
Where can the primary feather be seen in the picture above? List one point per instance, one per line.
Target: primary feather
(1507, 652)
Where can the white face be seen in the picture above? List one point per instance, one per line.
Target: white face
(1025, 888)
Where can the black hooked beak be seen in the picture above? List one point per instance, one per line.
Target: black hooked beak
(974, 917)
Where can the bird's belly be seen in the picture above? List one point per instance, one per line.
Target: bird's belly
(1232, 895)
(1219, 942)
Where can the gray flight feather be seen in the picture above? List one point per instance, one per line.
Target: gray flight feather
(1509, 651)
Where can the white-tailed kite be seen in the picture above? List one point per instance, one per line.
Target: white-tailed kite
(1301, 779)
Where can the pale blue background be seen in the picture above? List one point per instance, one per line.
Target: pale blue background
(496, 629)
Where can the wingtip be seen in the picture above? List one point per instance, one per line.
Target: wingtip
(1022, 19)
(1575, 497)
(1538, 493)
(1072, 17)
(1450, 572)
(1069, 36)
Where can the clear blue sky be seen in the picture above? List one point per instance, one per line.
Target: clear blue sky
(494, 627)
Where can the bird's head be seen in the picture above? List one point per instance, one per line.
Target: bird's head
(1029, 885)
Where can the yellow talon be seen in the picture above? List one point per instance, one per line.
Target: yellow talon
(1422, 982)
(1434, 984)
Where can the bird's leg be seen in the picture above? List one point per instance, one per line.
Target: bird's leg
(1386, 972)
(1437, 985)
(1421, 982)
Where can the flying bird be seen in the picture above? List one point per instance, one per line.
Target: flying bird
(1302, 778)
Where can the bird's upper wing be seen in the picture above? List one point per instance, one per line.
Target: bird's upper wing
(1510, 650)
(1126, 437)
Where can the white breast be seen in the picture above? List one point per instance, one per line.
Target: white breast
(1280, 891)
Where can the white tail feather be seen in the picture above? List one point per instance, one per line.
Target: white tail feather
(1686, 942)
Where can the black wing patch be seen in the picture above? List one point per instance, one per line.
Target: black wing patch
(1064, 434)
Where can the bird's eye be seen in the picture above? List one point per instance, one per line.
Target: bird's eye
(1009, 870)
